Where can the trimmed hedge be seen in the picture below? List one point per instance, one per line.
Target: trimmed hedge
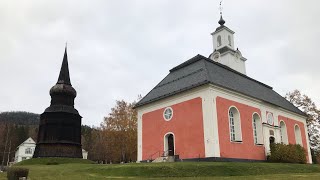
(291, 153)
(14, 173)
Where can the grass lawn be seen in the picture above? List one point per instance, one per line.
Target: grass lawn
(66, 169)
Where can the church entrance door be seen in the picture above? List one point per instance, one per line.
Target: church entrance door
(271, 140)
(170, 145)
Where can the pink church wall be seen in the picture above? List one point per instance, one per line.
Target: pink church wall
(290, 123)
(247, 149)
(186, 125)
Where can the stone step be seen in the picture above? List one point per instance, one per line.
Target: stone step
(164, 159)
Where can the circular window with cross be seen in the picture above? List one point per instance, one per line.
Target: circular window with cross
(167, 114)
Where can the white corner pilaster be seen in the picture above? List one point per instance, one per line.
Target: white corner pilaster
(308, 143)
(139, 152)
(210, 125)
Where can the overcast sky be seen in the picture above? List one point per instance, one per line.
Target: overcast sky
(119, 49)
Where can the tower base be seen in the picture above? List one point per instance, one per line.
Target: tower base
(57, 150)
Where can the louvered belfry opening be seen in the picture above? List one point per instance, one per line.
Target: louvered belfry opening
(60, 124)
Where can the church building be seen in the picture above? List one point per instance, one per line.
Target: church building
(208, 108)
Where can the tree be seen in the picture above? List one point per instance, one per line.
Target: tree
(305, 104)
(120, 131)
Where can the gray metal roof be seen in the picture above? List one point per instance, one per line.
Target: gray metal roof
(200, 70)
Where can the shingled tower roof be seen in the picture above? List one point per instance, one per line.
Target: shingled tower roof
(64, 77)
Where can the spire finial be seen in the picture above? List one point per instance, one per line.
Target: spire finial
(221, 21)
(64, 77)
(220, 8)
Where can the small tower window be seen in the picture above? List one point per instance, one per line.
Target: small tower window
(219, 40)
(229, 39)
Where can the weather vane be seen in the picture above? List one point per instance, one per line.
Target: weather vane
(220, 7)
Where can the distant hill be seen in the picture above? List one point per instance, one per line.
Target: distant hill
(20, 118)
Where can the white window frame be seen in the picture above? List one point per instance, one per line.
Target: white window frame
(257, 128)
(283, 133)
(297, 135)
(235, 132)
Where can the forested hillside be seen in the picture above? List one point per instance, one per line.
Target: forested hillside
(20, 117)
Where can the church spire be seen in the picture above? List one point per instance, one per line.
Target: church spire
(223, 47)
(64, 77)
(221, 21)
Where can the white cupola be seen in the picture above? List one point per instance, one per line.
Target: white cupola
(223, 48)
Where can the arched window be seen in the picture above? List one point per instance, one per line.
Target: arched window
(297, 134)
(235, 125)
(229, 39)
(219, 40)
(257, 129)
(283, 133)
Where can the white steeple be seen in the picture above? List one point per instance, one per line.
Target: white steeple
(223, 48)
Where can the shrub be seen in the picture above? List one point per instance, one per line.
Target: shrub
(317, 159)
(315, 154)
(15, 173)
(291, 153)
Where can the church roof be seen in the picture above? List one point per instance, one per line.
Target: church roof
(200, 70)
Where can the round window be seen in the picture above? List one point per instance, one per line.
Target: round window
(270, 118)
(168, 113)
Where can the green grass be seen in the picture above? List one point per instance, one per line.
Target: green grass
(183, 170)
(54, 161)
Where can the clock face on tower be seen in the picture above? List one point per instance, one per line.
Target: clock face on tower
(237, 55)
(216, 56)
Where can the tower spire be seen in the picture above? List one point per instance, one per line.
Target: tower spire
(59, 132)
(64, 77)
(221, 21)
